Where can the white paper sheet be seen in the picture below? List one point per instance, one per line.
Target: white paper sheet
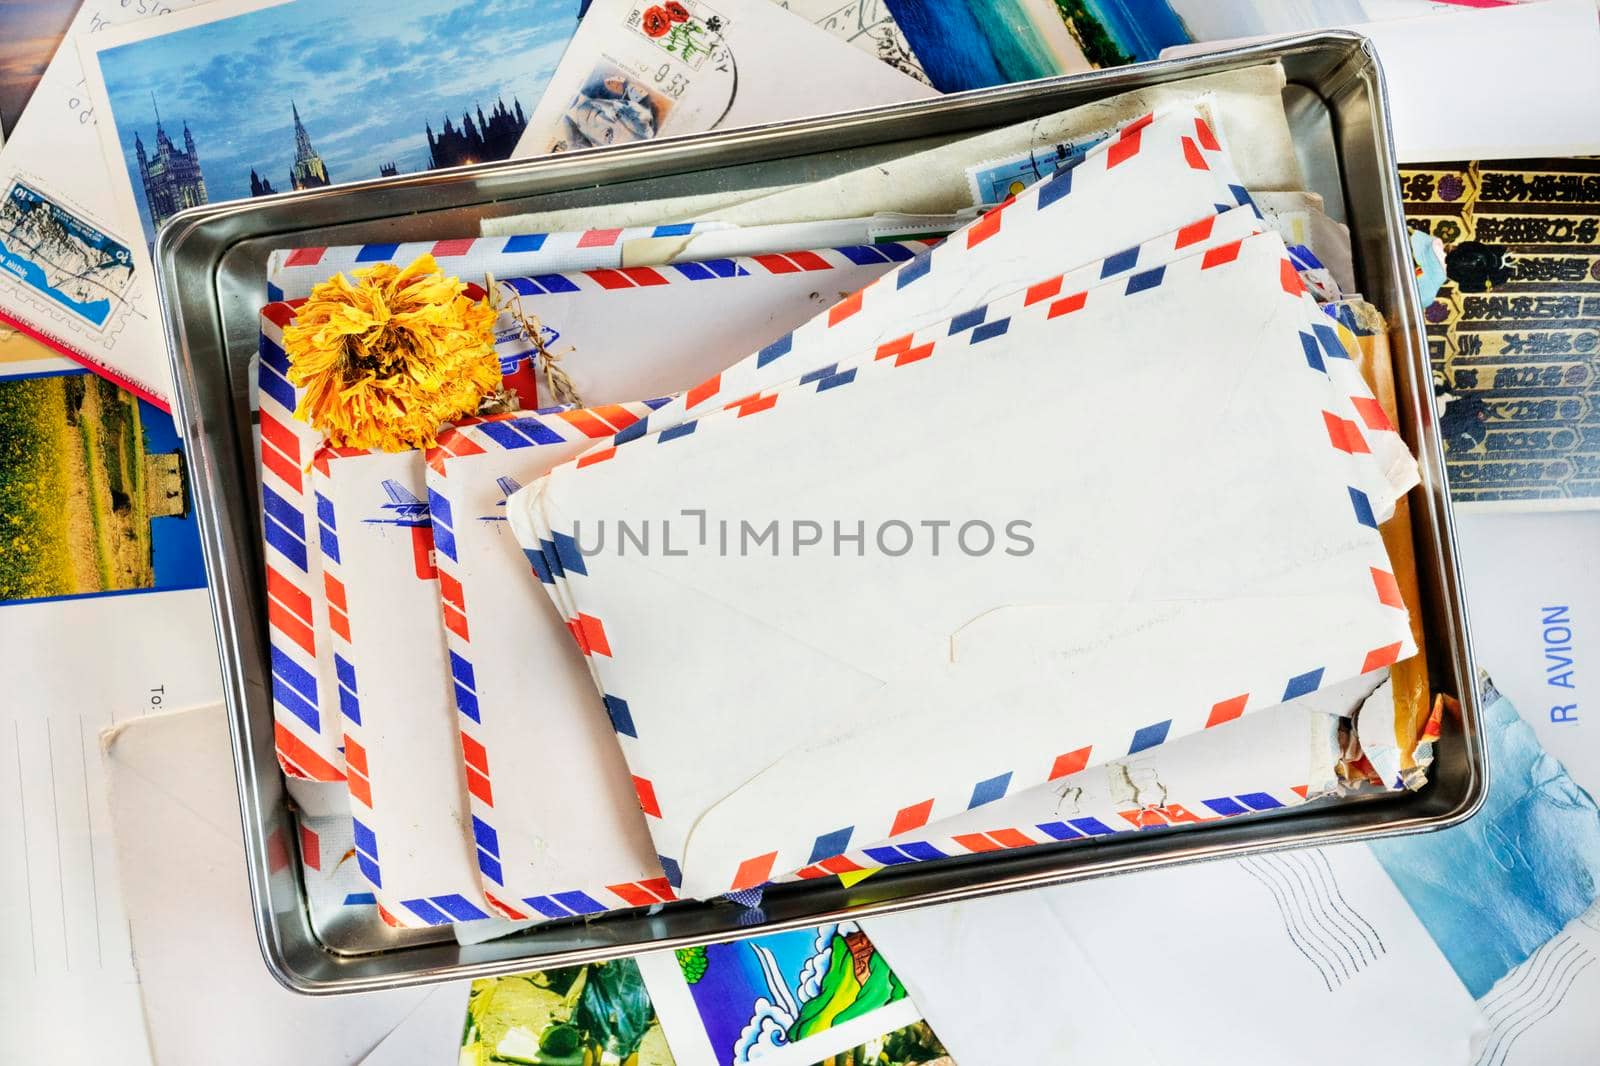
(1542, 100)
(1297, 957)
(636, 71)
(64, 939)
(1534, 595)
(207, 993)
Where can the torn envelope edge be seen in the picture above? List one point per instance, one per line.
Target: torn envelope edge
(496, 829)
(453, 894)
(1364, 333)
(1272, 759)
(1303, 219)
(1289, 282)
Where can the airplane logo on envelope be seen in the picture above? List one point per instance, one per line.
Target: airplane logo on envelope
(406, 510)
(508, 485)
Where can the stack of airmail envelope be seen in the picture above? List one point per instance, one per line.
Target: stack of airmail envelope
(1171, 475)
(1065, 526)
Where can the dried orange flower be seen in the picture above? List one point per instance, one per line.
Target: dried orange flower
(389, 359)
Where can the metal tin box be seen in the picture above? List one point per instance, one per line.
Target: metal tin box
(211, 265)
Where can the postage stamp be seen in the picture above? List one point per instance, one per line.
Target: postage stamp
(62, 258)
(995, 181)
(614, 106)
(685, 29)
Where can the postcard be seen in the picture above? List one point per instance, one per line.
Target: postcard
(102, 549)
(796, 998)
(94, 494)
(648, 1010)
(638, 70)
(68, 273)
(1511, 332)
(250, 97)
(597, 1012)
(973, 44)
(30, 32)
(229, 101)
(868, 25)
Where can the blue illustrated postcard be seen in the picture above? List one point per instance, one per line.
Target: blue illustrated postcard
(757, 995)
(252, 97)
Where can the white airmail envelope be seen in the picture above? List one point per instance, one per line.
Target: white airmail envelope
(1157, 174)
(1193, 524)
(1384, 470)
(292, 272)
(1164, 173)
(307, 733)
(637, 332)
(408, 791)
(1268, 760)
(554, 814)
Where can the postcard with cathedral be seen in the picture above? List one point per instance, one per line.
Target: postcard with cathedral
(244, 98)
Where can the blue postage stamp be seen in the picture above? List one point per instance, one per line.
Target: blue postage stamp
(61, 257)
(997, 180)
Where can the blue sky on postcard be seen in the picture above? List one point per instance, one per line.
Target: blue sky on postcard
(366, 75)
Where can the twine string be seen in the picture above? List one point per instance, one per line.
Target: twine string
(548, 362)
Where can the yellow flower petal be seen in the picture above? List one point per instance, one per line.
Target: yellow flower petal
(386, 360)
